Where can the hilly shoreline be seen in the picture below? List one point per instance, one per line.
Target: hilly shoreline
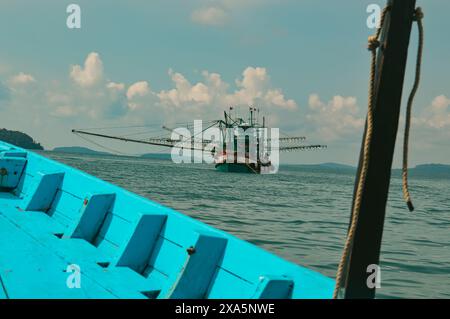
(19, 139)
(429, 169)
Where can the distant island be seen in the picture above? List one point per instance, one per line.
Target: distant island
(432, 170)
(88, 151)
(327, 166)
(19, 139)
(79, 150)
(424, 170)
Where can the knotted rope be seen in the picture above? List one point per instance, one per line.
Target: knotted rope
(373, 45)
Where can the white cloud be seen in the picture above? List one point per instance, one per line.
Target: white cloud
(276, 97)
(140, 88)
(436, 115)
(253, 89)
(213, 16)
(91, 73)
(439, 112)
(21, 79)
(184, 92)
(335, 119)
(254, 82)
(115, 86)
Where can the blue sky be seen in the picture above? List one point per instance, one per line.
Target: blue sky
(303, 62)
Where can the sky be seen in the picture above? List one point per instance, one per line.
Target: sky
(304, 63)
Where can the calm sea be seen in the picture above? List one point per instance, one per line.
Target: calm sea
(299, 214)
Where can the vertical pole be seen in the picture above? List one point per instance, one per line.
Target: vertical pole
(390, 75)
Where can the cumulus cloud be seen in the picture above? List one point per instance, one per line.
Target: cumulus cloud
(91, 73)
(21, 79)
(253, 89)
(212, 16)
(276, 97)
(435, 116)
(335, 119)
(140, 88)
(184, 92)
(90, 96)
(115, 86)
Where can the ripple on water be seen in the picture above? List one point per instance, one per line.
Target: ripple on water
(299, 214)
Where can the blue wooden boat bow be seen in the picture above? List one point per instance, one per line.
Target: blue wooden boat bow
(54, 219)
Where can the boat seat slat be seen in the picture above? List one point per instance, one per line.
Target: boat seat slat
(91, 217)
(274, 287)
(197, 273)
(141, 243)
(42, 192)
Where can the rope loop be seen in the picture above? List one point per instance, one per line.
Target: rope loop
(418, 14)
(373, 43)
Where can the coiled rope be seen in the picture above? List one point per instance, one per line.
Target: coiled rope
(418, 16)
(373, 45)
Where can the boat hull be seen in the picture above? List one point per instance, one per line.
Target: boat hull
(66, 234)
(237, 168)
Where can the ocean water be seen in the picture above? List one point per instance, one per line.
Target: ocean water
(299, 214)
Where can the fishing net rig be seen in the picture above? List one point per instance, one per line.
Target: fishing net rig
(167, 137)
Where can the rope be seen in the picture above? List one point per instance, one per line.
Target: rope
(418, 16)
(116, 152)
(373, 45)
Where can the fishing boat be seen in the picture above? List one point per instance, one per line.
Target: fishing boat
(56, 220)
(66, 234)
(241, 145)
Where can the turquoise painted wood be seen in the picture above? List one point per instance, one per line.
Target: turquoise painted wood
(54, 219)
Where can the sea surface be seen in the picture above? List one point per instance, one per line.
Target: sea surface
(300, 214)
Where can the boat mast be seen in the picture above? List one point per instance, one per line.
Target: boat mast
(389, 80)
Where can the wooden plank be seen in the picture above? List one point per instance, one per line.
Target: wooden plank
(388, 92)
